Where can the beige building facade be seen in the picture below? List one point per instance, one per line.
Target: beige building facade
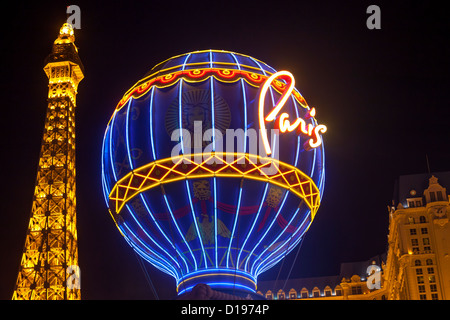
(416, 265)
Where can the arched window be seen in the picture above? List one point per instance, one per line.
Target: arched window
(281, 295)
(292, 294)
(338, 290)
(429, 262)
(423, 219)
(316, 292)
(327, 291)
(269, 295)
(304, 293)
(417, 263)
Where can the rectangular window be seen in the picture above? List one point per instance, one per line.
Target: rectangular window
(433, 288)
(432, 196)
(419, 271)
(421, 288)
(356, 290)
(426, 241)
(420, 279)
(414, 242)
(430, 270)
(431, 279)
(412, 232)
(418, 203)
(423, 297)
(434, 296)
(424, 231)
(411, 204)
(439, 195)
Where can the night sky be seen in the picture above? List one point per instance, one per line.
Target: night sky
(383, 94)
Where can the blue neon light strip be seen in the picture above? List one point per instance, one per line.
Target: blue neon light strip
(111, 151)
(217, 270)
(251, 228)
(265, 233)
(147, 258)
(127, 134)
(151, 238)
(274, 241)
(180, 105)
(213, 116)
(159, 228)
(180, 115)
(196, 224)
(297, 153)
(244, 97)
(215, 223)
(181, 235)
(276, 260)
(234, 225)
(164, 267)
(104, 184)
(151, 124)
(219, 284)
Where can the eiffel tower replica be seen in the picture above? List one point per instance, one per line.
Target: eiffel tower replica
(49, 265)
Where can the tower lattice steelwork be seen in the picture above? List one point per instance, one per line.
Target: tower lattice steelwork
(49, 265)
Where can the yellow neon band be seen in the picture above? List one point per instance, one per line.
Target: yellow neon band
(183, 167)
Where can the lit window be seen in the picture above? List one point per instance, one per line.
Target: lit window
(316, 292)
(292, 294)
(356, 290)
(304, 293)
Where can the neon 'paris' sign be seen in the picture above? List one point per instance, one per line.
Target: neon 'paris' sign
(284, 124)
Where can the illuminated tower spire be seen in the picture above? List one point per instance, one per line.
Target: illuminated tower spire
(49, 265)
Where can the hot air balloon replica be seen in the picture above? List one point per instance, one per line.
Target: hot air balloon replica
(213, 168)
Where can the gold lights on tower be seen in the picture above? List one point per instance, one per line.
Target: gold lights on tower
(49, 265)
